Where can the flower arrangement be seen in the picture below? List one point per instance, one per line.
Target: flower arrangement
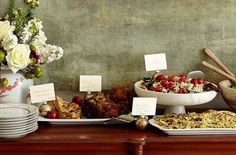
(23, 44)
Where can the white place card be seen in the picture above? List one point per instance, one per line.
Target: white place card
(90, 83)
(144, 106)
(42, 93)
(155, 62)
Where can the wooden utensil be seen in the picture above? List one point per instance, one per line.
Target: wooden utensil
(217, 70)
(217, 61)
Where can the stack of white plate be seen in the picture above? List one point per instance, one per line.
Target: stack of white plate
(17, 119)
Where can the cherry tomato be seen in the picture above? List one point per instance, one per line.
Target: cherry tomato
(172, 78)
(52, 114)
(151, 88)
(164, 83)
(182, 78)
(183, 75)
(160, 77)
(78, 100)
(200, 80)
(170, 85)
(158, 88)
(182, 91)
(194, 81)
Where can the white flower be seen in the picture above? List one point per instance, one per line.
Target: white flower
(10, 41)
(25, 36)
(59, 52)
(33, 26)
(50, 53)
(5, 28)
(39, 41)
(18, 58)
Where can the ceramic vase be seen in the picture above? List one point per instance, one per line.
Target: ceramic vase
(17, 90)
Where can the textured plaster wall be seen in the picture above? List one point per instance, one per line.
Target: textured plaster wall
(110, 37)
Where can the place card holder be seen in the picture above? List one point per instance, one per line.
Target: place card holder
(143, 107)
(90, 83)
(141, 122)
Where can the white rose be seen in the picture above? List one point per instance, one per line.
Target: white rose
(18, 58)
(10, 41)
(39, 40)
(5, 28)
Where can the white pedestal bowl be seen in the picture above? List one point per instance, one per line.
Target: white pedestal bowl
(175, 102)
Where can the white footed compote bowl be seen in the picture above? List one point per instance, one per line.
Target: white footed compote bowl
(175, 103)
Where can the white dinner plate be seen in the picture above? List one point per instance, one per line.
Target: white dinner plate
(18, 130)
(16, 110)
(18, 122)
(195, 131)
(74, 121)
(17, 125)
(2, 121)
(18, 135)
(18, 119)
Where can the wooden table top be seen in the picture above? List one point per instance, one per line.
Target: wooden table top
(104, 133)
(53, 138)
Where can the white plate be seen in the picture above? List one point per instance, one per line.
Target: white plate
(18, 122)
(74, 121)
(197, 131)
(18, 135)
(18, 119)
(18, 126)
(16, 110)
(18, 130)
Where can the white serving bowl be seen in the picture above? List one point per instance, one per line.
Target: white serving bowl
(175, 102)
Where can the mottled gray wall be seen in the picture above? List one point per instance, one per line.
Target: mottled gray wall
(110, 37)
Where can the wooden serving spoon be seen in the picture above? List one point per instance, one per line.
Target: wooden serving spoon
(217, 61)
(217, 70)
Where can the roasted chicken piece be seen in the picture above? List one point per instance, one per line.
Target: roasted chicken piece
(66, 110)
(110, 104)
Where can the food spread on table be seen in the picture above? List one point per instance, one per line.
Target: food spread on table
(175, 84)
(110, 104)
(101, 105)
(60, 108)
(118, 101)
(207, 119)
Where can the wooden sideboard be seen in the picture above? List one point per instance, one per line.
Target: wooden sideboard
(114, 140)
